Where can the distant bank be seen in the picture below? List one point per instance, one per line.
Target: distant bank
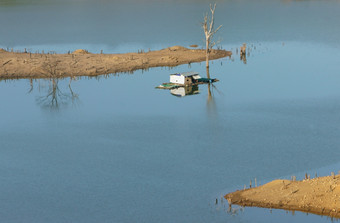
(82, 63)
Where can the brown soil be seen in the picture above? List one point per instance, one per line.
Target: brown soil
(83, 63)
(319, 196)
(80, 51)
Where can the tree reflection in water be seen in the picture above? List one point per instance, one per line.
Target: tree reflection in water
(243, 58)
(53, 97)
(211, 104)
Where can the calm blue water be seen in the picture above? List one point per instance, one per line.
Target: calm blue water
(116, 149)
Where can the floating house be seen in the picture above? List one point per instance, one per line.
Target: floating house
(187, 78)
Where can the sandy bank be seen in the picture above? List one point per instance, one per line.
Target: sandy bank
(319, 196)
(83, 63)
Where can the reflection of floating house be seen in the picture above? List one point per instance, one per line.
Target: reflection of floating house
(184, 91)
(185, 79)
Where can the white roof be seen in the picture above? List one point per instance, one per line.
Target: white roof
(186, 74)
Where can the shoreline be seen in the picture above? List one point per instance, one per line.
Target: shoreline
(82, 63)
(319, 196)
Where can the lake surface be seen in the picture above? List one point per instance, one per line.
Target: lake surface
(115, 149)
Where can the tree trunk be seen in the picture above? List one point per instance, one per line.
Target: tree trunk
(209, 31)
(207, 58)
(208, 73)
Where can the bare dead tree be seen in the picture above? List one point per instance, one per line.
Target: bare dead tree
(243, 49)
(209, 31)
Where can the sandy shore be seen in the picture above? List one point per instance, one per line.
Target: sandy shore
(83, 63)
(319, 195)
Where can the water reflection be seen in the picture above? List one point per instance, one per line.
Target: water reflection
(243, 58)
(52, 97)
(247, 50)
(221, 204)
(185, 91)
(194, 90)
(211, 104)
